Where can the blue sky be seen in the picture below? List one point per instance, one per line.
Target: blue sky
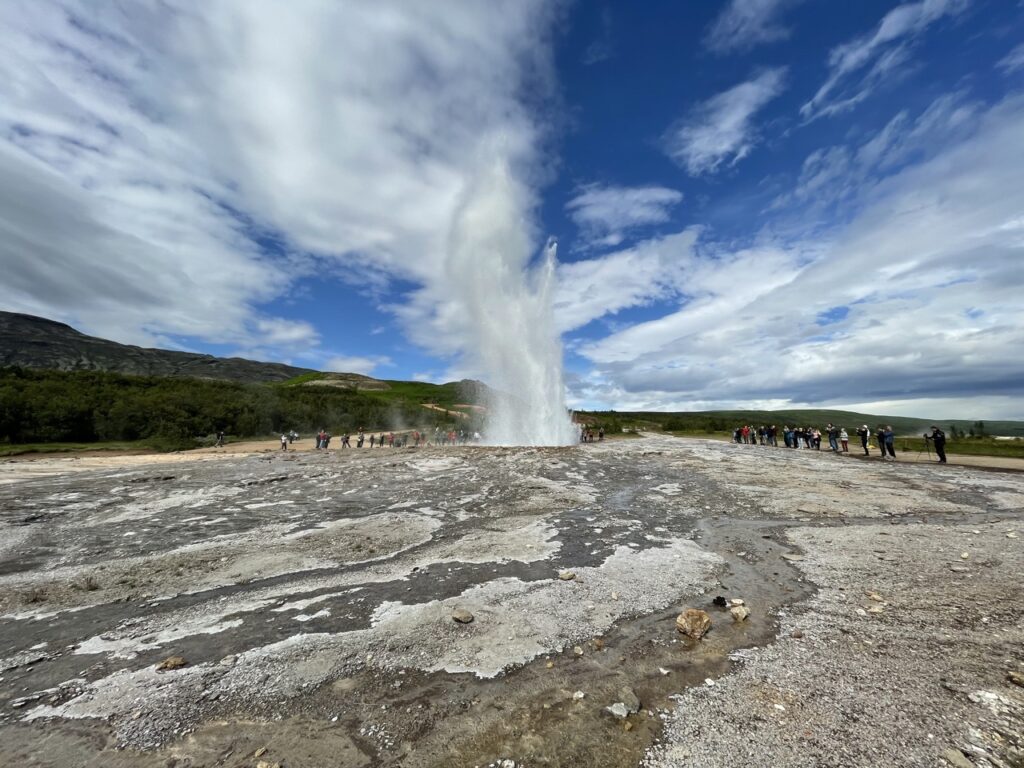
(765, 203)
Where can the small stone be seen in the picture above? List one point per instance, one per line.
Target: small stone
(663, 670)
(861, 612)
(566, 575)
(229, 661)
(171, 662)
(577, 650)
(265, 764)
(876, 597)
(615, 595)
(260, 752)
(1011, 535)
(627, 726)
(694, 623)
(1017, 678)
(598, 644)
(956, 758)
(720, 601)
(630, 700)
(793, 558)
(965, 555)
(959, 569)
(796, 633)
(578, 696)
(739, 612)
(736, 601)
(618, 709)
(550, 665)
(462, 616)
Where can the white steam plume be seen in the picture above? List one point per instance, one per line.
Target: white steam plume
(508, 305)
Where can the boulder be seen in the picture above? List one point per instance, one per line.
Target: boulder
(171, 662)
(694, 623)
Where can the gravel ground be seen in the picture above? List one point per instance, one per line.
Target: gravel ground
(311, 597)
(903, 654)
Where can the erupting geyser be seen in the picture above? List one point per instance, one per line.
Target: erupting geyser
(508, 312)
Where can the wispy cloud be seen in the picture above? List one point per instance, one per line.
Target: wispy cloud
(927, 271)
(605, 214)
(1013, 61)
(721, 131)
(743, 24)
(859, 66)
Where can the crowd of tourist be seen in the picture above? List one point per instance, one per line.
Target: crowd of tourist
(809, 438)
(415, 438)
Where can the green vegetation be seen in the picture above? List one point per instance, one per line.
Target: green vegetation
(965, 446)
(88, 407)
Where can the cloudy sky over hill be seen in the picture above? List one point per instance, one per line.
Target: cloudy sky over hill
(757, 203)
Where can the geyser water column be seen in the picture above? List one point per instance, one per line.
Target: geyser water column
(508, 311)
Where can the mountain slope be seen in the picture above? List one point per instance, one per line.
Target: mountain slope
(35, 342)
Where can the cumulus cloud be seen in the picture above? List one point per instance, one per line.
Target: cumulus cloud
(605, 214)
(721, 131)
(916, 298)
(860, 65)
(365, 365)
(149, 151)
(744, 24)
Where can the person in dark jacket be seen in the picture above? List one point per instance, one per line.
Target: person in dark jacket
(938, 438)
(865, 435)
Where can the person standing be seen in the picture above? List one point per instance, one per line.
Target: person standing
(844, 439)
(890, 440)
(938, 438)
(833, 436)
(284, 442)
(865, 435)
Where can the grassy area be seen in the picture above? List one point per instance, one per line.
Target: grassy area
(977, 446)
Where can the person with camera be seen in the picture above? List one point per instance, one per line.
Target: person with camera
(938, 438)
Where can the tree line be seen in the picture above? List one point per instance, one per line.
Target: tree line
(88, 406)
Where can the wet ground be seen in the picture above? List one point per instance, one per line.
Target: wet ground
(310, 597)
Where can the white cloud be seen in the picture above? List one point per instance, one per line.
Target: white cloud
(743, 24)
(916, 299)
(1013, 61)
(593, 288)
(605, 214)
(878, 56)
(721, 130)
(365, 365)
(146, 149)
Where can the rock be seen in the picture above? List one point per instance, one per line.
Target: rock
(720, 601)
(260, 752)
(876, 597)
(1011, 535)
(861, 612)
(229, 661)
(965, 555)
(630, 700)
(577, 650)
(550, 665)
(627, 726)
(694, 623)
(566, 575)
(793, 558)
(663, 670)
(578, 696)
(598, 644)
(171, 662)
(462, 616)
(618, 709)
(1017, 678)
(956, 758)
(959, 569)
(736, 601)
(265, 764)
(796, 633)
(739, 612)
(615, 595)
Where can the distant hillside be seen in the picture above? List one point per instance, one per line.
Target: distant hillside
(41, 344)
